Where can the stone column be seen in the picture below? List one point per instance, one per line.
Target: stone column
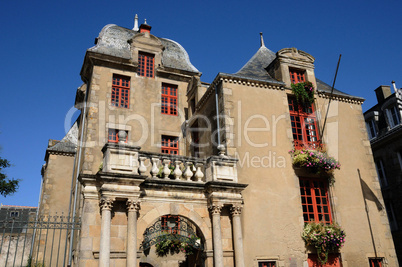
(106, 214)
(237, 236)
(217, 235)
(131, 251)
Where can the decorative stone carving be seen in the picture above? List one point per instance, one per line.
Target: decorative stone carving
(215, 209)
(198, 174)
(133, 205)
(155, 169)
(236, 210)
(142, 169)
(188, 173)
(106, 204)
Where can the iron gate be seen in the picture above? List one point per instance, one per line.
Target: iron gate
(27, 240)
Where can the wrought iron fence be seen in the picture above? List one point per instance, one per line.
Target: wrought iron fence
(30, 241)
(172, 227)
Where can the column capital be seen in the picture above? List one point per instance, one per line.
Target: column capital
(106, 203)
(236, 210)
(215, 208)
(133, 205)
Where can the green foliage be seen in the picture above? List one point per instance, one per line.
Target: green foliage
(304, 92)
(316, 161)
(7, 186)
(171, 244)
(325, 238)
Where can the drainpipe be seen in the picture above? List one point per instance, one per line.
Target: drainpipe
(217, 116)
(77, 166)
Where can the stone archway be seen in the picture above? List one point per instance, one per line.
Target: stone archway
(173, 240)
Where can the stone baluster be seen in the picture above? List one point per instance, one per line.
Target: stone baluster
(217, 235)
(132, 208)
(155, 169)
(166, 170)
(177, 172)
(188, 173)
(237, 235)
(199, 174)
(106, 214)
(142, 169)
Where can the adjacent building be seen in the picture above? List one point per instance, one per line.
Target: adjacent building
(167, 170)
(384, 128)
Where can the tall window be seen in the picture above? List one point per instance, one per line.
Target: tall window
(114, 136)
(146, 64)
(334, 260)
(297, 76)
(120, 91)
(371, 129)
(169, 99)
(375, 262)
(170, 145)
(381, 173)
(304, 125)
(393, 116)
(315, 200)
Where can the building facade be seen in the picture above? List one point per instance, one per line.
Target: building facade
(384, 128)
(172, 171)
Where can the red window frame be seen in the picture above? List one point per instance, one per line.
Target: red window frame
(120, 91)
(304, 125)
(169, 99)
(375, 262)
(267, 264)
(170, 145)
(334, 260)
(170, 230)
(146, 64)
(113, 136)
(315, 200)
(297, 76)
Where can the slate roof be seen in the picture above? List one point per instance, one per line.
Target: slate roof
(326, 88)
(255, 67)
(69, 142)
(113, 41)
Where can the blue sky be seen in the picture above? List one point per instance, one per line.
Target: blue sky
(43, 44)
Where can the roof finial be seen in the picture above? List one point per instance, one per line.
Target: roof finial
(262, 40)
(393, 84)
(145, 21)
(135, 23)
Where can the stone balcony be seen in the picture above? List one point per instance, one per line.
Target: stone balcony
(129, 160)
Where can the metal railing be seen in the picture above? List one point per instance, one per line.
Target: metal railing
(29, 241)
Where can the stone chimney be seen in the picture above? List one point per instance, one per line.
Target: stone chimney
(145, 27)
(382, 92)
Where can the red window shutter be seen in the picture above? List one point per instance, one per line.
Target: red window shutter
(297, 76)
(304, 125)
(120, 91)
(315, 200)
(169, 99)
(170, 145)
(146, 64)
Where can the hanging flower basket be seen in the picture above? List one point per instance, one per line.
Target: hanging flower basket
(304, 92)
(172, 244)
(325, 238)
(314, 160)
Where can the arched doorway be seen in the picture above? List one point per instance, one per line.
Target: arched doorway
(174, 240)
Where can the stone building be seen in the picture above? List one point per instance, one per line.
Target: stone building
(384, 128)
(172, 171)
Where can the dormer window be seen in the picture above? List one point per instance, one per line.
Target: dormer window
(393, 116)
(297, 76)
(146, 64)
(371, 129)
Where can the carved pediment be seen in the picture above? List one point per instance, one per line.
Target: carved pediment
(295, 54)
(146, 39)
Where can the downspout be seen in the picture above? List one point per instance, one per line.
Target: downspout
(78, 167)
(217, 116)
(36, 217)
